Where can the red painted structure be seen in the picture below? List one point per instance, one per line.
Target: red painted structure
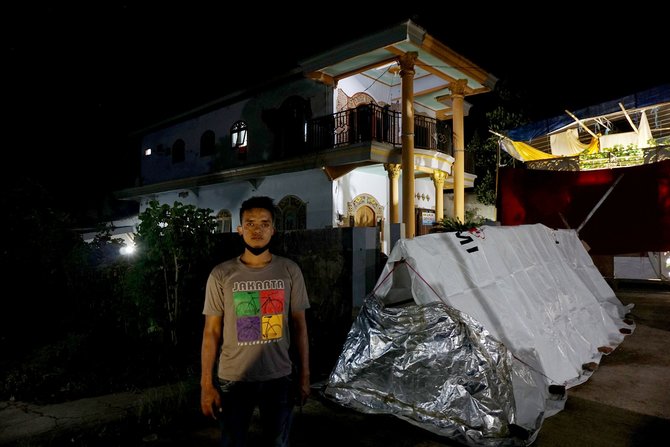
(634, 217)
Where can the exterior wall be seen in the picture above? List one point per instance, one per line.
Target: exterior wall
(355, 84)
(320, 96)
(471, 203)
(424, 193)
(361, 181)
(312, 187)
(187, 197)
(159, 167)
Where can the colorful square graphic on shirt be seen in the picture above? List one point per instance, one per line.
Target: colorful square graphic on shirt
(248, 329)
(246, 303)
(272, 326)
(272, 301)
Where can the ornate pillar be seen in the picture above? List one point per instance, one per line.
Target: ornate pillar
(393, 170)
(438, 180)
(407, 79)
(457, 93)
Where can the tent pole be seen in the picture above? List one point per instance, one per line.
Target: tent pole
(600, 202)
(498, 134)
(581, 124)
(630, 121)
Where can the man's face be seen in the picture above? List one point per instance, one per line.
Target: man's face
(257, 228)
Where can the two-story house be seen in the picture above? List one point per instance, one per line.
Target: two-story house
(366, 134)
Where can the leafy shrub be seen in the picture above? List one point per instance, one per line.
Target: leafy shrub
(449, 224)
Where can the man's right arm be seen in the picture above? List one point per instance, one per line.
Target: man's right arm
(211, 339)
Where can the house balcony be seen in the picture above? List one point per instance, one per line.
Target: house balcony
(370, 123)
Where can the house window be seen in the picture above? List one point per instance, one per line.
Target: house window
(178, 151)
(291, 214)
(238, 138)
(224, 222)
(207, 143)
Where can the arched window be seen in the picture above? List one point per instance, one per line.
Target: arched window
(224, 222)
(238, 134)
(178, 151)
(291, 214)
(207, 143)
(238, 138)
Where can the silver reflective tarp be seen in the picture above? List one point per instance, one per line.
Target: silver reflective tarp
(476, 335)
(436, 368)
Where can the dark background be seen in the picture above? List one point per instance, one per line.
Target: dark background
(79, 79)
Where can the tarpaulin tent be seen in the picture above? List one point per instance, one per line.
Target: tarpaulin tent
(476, 335)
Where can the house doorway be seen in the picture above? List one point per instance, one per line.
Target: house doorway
(365, 211)
(365, 217)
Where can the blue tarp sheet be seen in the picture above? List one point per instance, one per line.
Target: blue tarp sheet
(645, 98)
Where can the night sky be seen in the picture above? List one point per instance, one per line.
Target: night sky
(79, 79)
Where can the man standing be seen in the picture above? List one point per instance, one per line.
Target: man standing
(251, 302)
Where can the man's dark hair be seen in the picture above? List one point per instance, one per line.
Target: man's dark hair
(263, 202)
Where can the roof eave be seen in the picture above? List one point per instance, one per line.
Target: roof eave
(405, 31)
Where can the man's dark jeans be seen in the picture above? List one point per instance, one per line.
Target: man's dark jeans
(275, 402)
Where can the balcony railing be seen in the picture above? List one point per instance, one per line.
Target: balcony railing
(370, 122)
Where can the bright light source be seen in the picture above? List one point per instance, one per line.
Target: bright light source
(127, 250)
(147, 151)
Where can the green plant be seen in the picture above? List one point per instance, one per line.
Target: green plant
(616, 156)
(449, 224)
(485, 145)
(172, 242)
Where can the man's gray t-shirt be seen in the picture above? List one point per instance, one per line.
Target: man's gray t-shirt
(255, 304)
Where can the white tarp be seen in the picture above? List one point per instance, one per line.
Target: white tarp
(638, 139)
(525, 315)
(533, 288)
(625, 140)
(566, 143)
(643, 131)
